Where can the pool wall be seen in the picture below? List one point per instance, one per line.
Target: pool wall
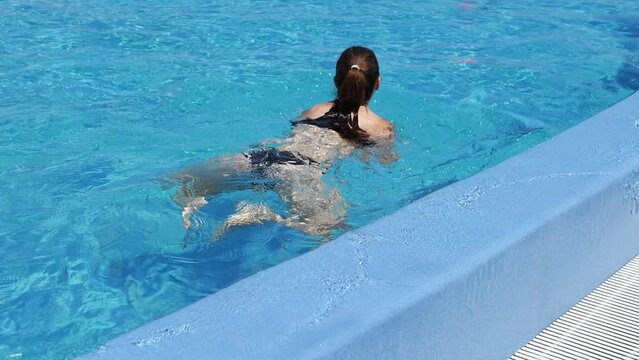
(472, 271)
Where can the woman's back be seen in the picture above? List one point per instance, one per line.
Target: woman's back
(317, 143)
(316, 135)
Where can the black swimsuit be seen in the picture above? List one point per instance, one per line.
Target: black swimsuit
(269, 156)
(326, 121)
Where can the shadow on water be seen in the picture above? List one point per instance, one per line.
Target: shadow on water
(168, 280)
(627, 76)
(420, 193)
(628, 26)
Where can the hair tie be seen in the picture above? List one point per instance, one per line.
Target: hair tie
(355, 66)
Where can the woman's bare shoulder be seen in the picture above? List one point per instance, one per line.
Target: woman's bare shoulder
(316, 111)
(379, 128)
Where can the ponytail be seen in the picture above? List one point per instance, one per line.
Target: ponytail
(356, 74)
(352, 91)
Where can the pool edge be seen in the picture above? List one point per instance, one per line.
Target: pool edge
(467, 283)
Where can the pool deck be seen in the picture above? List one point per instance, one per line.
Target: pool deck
(604, 325)
(472, 271)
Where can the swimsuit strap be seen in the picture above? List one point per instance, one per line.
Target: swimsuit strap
(330, 120)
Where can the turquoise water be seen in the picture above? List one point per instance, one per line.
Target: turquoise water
(99, 99)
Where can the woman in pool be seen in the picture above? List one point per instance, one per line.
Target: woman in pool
(320, 135)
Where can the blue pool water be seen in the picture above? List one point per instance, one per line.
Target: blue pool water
(99, 99)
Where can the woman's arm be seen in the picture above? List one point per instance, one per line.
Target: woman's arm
(315, 111)
(386, 153)
(385, 141)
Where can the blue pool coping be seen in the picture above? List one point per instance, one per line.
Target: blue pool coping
(472, 271)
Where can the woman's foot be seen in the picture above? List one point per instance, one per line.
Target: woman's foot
(192, 206)
(247, 214)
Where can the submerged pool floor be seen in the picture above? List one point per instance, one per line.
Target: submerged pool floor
(100, 99)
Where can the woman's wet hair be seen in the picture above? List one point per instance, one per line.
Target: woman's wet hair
(356, 75)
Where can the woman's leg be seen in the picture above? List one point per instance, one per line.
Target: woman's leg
(226, 173)
(315, 208)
